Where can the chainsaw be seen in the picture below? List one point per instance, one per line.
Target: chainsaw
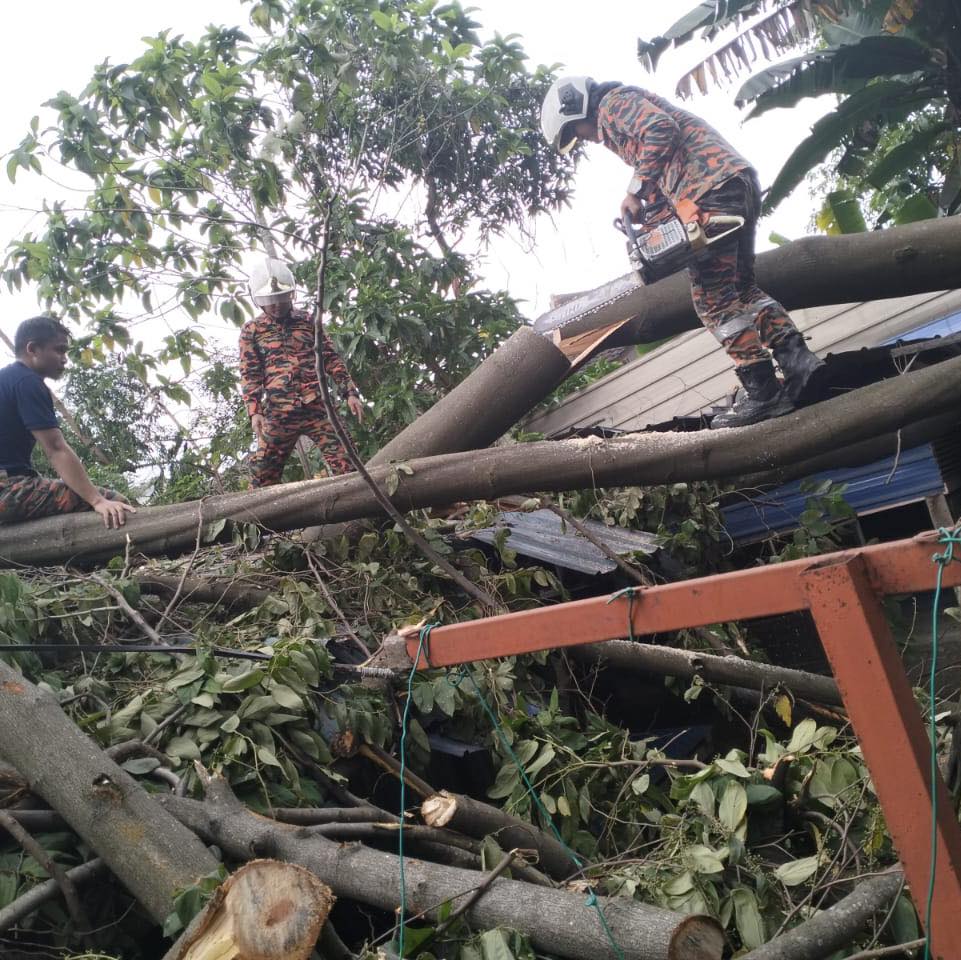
(662, 249)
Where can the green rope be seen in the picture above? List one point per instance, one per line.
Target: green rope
(592, 900)
(949, 538)
(423, 647)
(630, 593)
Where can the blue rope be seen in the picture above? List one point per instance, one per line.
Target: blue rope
(949, 538)
(630, 593)
(423, 647)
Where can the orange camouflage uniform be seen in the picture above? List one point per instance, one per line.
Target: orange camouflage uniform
(677, 156)
(278, 379)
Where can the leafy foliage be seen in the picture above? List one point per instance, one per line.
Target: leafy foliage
(201, 154)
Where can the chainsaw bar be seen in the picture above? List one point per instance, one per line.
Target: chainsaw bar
(606, 304)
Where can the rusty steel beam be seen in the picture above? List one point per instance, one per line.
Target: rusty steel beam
(885, 717)
(843, 592)
(904, 566)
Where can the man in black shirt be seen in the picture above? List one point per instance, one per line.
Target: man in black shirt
(27, 418)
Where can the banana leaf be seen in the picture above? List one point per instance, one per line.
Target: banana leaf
(890, 100)
(841, 70)
(905, 155)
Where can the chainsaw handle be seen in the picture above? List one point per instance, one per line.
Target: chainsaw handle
(626, 225)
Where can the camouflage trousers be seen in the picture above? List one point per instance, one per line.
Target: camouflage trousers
(27, 498)
(281, 430)
(726, 295)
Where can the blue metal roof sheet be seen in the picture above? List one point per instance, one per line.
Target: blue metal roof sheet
(874, 486)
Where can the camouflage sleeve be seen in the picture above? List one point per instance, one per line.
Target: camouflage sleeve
(654, 134)
(337, 369)
(251, 371)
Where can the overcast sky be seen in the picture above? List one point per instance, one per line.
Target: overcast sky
(49, 45)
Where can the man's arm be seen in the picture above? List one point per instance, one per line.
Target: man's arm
(71, 471)
(252, 378)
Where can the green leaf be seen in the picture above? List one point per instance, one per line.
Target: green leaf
(797, 871)
(747, 917)
(286, 697)
(703, 796)
(904, 921)
(141, 765)
(803, 737)
(703, 859)
(244, 681)
(847, 215)
(905, 155)
(230, 724)
(382, 20)
(917, 207)
(266, 755)
(182, 748)
(733, 806)
(762, 795)
(505, 782)
(494, 945)
(734, 767)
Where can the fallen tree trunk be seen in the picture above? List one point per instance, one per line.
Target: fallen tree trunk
(731, 671)
(811, 272)
(151, 854)
(557, 921)
(265, 910)
(520, 373)
(478, 819)
(202, 589)
(834, 928)
(638, 459)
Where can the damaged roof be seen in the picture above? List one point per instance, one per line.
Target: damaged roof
(542, 535)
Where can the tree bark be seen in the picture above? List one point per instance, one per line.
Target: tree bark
(731, 671)
(477, 819)
(38, 895)
(557, 921)
(152, 854)
(637, 459)
(203, 589)
(810, 272)
(836, 927)
(486, 404)
(266, 909)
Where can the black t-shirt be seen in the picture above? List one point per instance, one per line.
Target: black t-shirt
(25, 404)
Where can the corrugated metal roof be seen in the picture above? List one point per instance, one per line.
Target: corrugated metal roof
(692, 372)
(542, 535)
(875, 486)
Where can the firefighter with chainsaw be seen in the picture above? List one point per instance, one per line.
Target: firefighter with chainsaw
(684, 170)
(278, 377)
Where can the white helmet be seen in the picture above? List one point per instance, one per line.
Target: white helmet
(271, 282)
(565, 102)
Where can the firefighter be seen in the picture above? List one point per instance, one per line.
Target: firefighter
(677, 157)
(27, 418)
(279, 379)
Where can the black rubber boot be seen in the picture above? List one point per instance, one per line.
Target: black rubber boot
(761, 399)
(798, 364)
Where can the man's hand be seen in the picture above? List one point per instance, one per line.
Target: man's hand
(633, 207)
(356, 407)
(258, 424)
(114, 512)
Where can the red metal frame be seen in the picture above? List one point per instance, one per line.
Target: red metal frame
(843, 592)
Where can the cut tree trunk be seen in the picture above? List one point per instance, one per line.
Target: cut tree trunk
(477, 819)
(834, 928)
(150, 852)
(266, 910)
(487, 403)
(557, 921)
(731, 671)
(638, 459)
(810, 272)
